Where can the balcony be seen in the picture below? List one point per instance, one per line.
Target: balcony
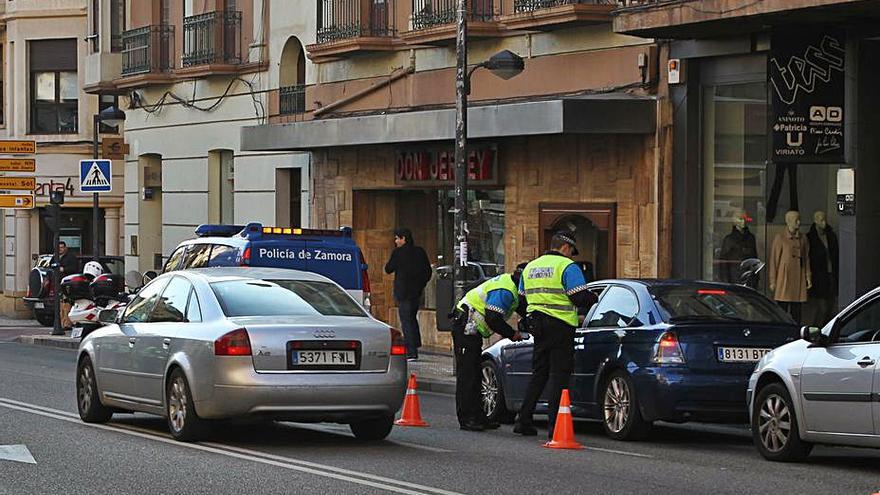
(347, 26)
(211, 43)
(551, 14)
(147, 56)
(714, 18)
(433, 21)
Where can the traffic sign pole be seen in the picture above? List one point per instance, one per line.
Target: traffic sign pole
(95, 129)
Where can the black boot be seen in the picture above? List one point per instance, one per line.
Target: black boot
(471, 425)
(524, 429)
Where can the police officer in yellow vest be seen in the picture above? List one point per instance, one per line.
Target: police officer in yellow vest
(553, 287)
(483, 310)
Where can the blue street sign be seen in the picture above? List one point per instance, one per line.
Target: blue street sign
(95, 176)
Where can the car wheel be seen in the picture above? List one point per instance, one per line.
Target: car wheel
(621, 416)
(372, 429)
(46, 319)
(183, 422)
(492, 395)
(88, 398)
(775, 426)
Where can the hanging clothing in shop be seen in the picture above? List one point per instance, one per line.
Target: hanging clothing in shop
(824, 263)
(789, 267)
(736, 246)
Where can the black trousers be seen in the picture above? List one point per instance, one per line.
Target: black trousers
(552, 365)
(408, 310)
(468, 349)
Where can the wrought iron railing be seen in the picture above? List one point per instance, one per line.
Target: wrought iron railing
(346, 19)
(533, 5)
(622, 4)
(293, 99)
(148, 49)
(212, 38)
(429, 13)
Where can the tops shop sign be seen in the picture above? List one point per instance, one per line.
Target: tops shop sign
(436, 167)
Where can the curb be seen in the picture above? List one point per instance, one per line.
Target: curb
(425, 384)
(49, 341)
(436, 386)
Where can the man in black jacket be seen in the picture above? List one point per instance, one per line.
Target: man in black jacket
(411, 269)
(68, 266)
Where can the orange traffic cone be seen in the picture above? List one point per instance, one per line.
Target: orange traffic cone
(412, 415)
(563, 433)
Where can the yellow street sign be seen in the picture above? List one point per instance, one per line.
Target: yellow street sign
(18, 165)
(18, 147)
(17, 201)
(18, 183)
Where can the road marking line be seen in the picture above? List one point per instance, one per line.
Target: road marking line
(423, 447)
(327, 471)
(16, 453)
(347, 432)
(621, 452)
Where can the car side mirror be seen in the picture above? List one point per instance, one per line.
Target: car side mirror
(812, 335)
(108, 316)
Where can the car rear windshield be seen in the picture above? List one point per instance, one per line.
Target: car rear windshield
(687, 303)
(284, 298)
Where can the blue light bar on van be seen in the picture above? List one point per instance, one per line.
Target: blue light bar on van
(218, 230)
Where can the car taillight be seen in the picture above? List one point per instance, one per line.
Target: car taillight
(365, 283)
(234, 343)
(246, 257)
(668, 350)
(398, 347)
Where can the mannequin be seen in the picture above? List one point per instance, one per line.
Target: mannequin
(738, 245)
(824, 270)
(790, 276)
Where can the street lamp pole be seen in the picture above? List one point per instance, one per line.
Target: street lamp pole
(112, 117)
(461, 94)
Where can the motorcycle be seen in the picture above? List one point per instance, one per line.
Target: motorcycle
(89, 293)
(750, 270)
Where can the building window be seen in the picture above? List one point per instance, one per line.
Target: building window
(2, 85)
(54, 87)
(94, 37)
(117, 24)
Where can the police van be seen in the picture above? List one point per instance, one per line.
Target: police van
(332, 253)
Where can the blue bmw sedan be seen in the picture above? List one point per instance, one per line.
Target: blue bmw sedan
(652, 350)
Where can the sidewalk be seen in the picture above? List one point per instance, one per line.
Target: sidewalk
(433, 370)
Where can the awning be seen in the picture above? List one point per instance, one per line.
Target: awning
(613, 113)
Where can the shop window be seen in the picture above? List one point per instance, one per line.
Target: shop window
(744, 198)
(54, 87)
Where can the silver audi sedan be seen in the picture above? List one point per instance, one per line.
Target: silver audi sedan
(218, 343)
(824, 388)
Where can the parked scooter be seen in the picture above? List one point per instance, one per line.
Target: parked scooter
(89, 293)
(750, 270)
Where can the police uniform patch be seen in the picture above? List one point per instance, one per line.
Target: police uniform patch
(542, 272)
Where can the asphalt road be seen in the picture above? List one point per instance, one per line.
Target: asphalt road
(134, 454)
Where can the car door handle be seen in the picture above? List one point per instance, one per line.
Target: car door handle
(866, 361)
(166, 343)
(131, 342)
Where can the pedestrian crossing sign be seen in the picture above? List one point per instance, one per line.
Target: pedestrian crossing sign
(95, 176)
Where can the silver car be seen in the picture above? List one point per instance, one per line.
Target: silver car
(229, 342)
(824, 388)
